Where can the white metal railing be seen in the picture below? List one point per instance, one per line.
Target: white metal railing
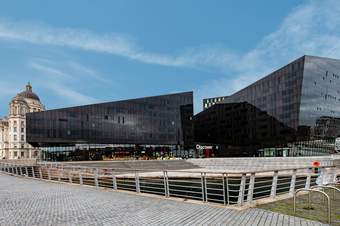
(226, 188)
(309, 200)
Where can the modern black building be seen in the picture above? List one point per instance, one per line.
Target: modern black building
(239, 129)
(144, 124)
(300, 108)
(208, 102)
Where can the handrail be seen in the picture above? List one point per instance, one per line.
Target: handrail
(181, 171)
(314, 190)
(233, 187)
(327, 186)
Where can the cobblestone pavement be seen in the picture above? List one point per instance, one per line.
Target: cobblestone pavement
(32, 202)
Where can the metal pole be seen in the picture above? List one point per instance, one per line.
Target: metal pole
(274, 184)
(205, 187)
(49, 174)
(293, 182)
(114, 181)
(242, 189)
(312, 190)
(308, 179)
(80, 177)
(33, 173)
(251, 188)
(165, 184)
(137, 182)
(227, 188)
(223, 187)
(59, 175)
(70, 176)
(202, 186)
(96, 177)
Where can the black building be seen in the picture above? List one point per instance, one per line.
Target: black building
(154, 121)
(303, 97)
(208, 102)
(239, 129)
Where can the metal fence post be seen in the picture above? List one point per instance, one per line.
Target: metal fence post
(70, 176)
(80, 177)
(227, 189)
(96, 177)
(114, 181)
(242, 189)
(292, 183)
(49, 174)
(308, 179)
(40, 173)
(33, 172)
(223, 187)
(59, 175)
(202, 186)
(205, 187)
(251, 188)
(165, 179)
(137, 182)
(274, 184)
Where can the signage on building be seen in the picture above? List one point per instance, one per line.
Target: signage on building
(202, 147)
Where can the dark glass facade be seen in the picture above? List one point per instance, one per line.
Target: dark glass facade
(303, 96)
(158, 120)
(239, 129)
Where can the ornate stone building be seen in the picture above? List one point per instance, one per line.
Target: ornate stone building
(13, 127)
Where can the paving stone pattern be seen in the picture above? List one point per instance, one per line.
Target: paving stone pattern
(33, 202)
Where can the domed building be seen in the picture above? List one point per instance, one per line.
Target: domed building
(13, 127)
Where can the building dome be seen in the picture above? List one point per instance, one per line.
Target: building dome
(18, 98)
(28, 93)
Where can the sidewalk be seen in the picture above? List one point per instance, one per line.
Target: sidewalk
(33, 202)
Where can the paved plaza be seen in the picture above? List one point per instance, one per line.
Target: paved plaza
(33, 202)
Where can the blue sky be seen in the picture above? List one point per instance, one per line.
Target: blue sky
(81, 51)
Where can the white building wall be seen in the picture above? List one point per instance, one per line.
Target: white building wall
(13, 143)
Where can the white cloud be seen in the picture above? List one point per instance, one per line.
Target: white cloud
(115, 44)
(87, 71)
(62, 81)
(70, 95)
(310, 29)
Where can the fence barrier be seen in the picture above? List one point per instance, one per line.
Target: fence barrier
(309, 200)
(225, 188)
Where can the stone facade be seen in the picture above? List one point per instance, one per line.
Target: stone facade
(13, 127)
